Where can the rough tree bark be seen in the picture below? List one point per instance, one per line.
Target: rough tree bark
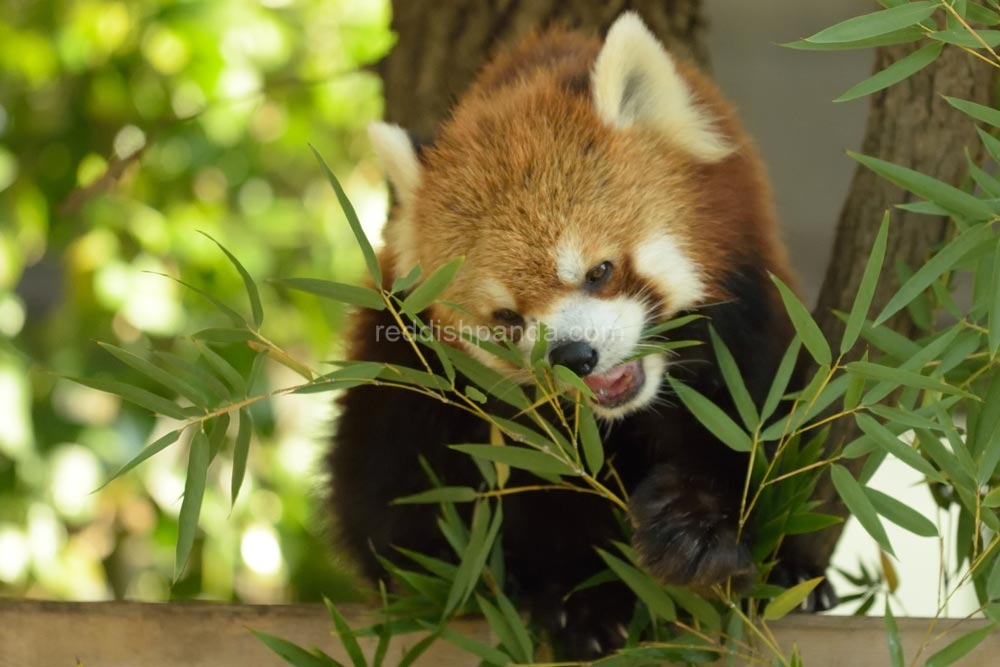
(441, 46)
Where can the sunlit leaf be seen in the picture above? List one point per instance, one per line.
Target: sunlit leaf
(430, 289)
(790, 599)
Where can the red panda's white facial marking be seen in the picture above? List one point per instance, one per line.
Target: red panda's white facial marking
(661, 260)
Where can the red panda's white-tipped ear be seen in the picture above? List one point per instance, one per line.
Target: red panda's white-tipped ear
(635, 82)
(398, 158)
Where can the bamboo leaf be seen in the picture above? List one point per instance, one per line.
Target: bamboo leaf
(504, 632)
(346, 636)
(900, 514)
(902, 36)
(712, 417)
(153, 372)
(790, 599)
(875, 23)
(238, 320)
(590, 441)
(888, 441)
(194, 493)
(980, 112)
(403, 283)
(951, 198)
(659, 602)
(902, 69)
(442, 494)
(994, 306)
(518, 457)
(520, 631)
(241, 452)
(892, 637)
(491, 656)
(568, 378)
(256, 310)
(962, 37)
(904, 377)
(354, 295)
(857, 502)
(781, 378)
(225, 335)
(144, 399)
(195, 375)
(734, 382)
(418, 649)
(959, 648)
(223, 368)
(292, 654)
(371, 260)
(805, 325)
(866, 289)
(430, 289)
(149, 450)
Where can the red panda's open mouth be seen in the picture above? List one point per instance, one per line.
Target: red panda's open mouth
(618, 385)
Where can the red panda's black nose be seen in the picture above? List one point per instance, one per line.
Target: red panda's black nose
(575, 355)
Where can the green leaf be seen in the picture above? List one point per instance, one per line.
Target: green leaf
(346, 636)
(875, 24)
(430, 289)
(962, 37)
(568, 378)
(238, 320)
(904, 377)
(978, 14)
(217, 427)
(900, 514)
(960, 647)
(256, 310)
(354, 295)
(955, 200)
(194, 493)
(482, 536)
(857, 502)
(491, 656)
(144, 399)
(700, 609)
(892, 636)
(492, 382)
(993, 581)
(734, 382)
(888, 441)
(986, 436)
(651, 593)
(292, 654)
(781, 378)
(520, 631)
(894, 73)
(225, 335)
(537, 462)
(590, 441)
(149, 450)
(810, 522)
(902, 36)
(195, 375)
(994, 305)
(504, 632)
(403, 283)
(169, 380)
(418, 649)
(712, 417)
(476, 395)
(980, 112)
(241, 452)
(790, 599)
(804, 325)
(442, 494)
(371, 260)
(866, 289)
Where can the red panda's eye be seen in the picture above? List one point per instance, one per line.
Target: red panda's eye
(599, 275)
(507, 317)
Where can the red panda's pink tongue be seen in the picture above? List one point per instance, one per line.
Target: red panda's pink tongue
(618, 383)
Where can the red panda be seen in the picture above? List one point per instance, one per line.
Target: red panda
(596, 189)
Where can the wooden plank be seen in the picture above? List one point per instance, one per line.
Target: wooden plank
(132, 634)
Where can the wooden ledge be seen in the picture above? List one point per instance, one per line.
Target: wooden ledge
(136, 634)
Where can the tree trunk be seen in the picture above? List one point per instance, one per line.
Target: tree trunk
(912, 125)
(441, 46)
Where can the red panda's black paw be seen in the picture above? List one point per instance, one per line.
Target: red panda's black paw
(686, 534)
(587, 625)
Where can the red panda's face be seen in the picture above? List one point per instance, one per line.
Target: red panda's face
(580, 209)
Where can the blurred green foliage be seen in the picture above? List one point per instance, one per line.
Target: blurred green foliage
(125, 128)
